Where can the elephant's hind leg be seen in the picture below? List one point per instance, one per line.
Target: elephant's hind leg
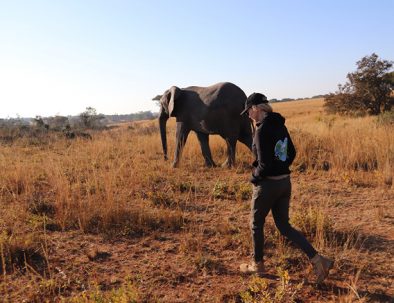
(206, 151)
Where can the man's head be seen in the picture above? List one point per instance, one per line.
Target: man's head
(257, 107)
(253, 100)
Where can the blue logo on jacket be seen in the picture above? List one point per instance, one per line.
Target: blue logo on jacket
(281, 150)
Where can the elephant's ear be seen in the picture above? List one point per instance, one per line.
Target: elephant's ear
(174, 94)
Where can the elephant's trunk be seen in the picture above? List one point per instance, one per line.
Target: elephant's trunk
(162, 123)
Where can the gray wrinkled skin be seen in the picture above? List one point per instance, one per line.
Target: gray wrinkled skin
(206, 110)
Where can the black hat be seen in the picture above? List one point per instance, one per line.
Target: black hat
(254, 99)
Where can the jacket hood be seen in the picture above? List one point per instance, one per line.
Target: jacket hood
(274, 119)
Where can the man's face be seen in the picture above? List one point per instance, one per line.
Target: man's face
(252, 112)
(256, 114)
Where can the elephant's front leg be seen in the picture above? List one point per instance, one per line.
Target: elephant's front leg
(206, 151)
(181, 135)
(231, 145)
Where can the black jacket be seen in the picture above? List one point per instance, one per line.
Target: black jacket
(273, 148)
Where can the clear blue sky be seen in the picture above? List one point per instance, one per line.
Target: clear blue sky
(58, 57)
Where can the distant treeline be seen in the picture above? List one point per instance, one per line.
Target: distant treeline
(143, 115)
(87, 119)
(293, 99)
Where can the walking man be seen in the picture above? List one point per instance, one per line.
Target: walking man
(274, 153)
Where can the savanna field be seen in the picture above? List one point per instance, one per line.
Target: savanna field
(108, 220)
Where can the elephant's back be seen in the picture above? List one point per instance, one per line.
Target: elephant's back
(222, 104)
(223, 94)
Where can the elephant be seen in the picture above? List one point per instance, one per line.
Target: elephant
(206, 110)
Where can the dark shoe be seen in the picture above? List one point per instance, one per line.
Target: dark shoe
(321, 267)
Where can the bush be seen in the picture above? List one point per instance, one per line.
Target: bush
(368, 90)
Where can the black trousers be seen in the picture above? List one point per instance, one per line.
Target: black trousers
(274, 195)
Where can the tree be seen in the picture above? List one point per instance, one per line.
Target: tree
(367, 91)
(39, 122)
(389, 78)
(90, 118)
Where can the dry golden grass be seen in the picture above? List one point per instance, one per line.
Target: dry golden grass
(60, 197)
(339, 143)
